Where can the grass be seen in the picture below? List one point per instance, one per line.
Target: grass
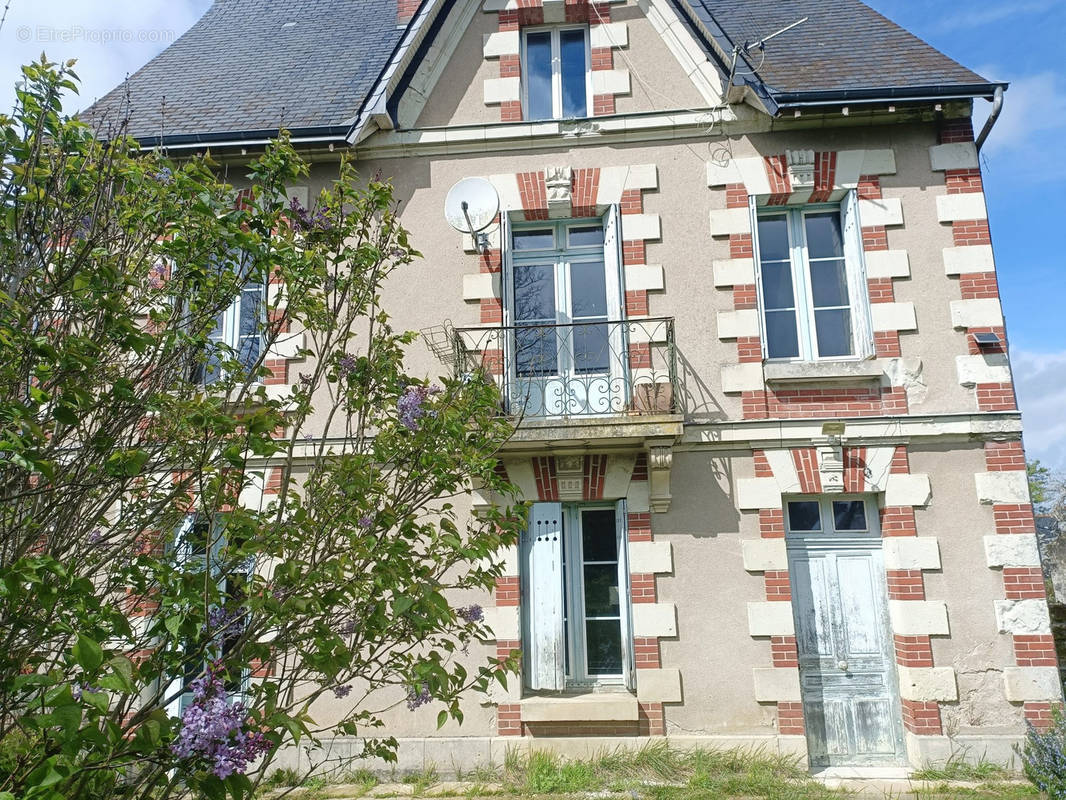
(957, 768)
(660, 772)
(657, 771)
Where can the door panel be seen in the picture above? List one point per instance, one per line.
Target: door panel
(845, 657)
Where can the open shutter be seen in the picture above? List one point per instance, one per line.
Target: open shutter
(506, 339)
(617, 334)
(542, 559)
(753, 214)
(855, 263)
(625, 617)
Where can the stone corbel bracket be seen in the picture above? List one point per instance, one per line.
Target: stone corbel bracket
(660, 461)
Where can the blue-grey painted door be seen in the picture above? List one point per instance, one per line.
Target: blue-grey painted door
(847, 679)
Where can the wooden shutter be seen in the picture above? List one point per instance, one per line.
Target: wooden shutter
(542, 560)
(855, 263)
(625, 617)
(753, 215)
(617, 335)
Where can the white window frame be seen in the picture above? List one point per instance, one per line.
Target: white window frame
(557, 74)
(825, 511)
(563, 256)
(855, 269)
(569, 648)
(184, 554)
(231, 336)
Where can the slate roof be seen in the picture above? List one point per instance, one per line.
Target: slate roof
(244, 68)
(843, 48)
(249, 66)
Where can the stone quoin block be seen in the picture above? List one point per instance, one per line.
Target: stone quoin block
(654, 619)
(907, 490)
(1031, 683)
(1024, 617)
(953, 155)
(733, 272)
(927, 683)
(762, 555)
(967, 260)
(960, 207)
(918, 617)
(977, 313)
(776, 685)
(771, 618)
(651, 557)
(911, 552)
(757, 493)
(990, 368)
(659, 685)
(1016, 550)
(998, 488)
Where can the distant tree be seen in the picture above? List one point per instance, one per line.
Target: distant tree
(1039, 477)
(162, 629)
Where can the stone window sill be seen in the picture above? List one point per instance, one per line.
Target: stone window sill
(593, 707)
(822, 371)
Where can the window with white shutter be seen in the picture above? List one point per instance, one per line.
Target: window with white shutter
(812, 281)
(576, 596)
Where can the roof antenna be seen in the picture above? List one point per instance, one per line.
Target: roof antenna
(747, 47)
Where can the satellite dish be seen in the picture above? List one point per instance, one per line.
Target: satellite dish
(471, 206)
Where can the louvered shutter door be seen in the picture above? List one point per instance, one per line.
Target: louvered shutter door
(619, 395)
(625, 617)
(859, 294)
(543, 562)
(753, 215)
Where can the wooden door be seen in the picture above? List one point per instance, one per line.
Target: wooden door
(847, 678)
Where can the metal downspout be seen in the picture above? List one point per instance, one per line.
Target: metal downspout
(997, 106)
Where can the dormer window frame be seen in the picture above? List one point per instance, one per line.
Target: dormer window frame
(556, 38)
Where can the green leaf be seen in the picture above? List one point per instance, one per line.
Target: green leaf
(442, 717)
(87, 653)
(65, 414)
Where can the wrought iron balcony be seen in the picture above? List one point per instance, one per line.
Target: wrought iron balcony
(583, 369)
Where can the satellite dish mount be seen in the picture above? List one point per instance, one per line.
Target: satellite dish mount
(470, 207)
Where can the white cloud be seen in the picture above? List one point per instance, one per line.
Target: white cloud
(109, 38)
(1032, 125)
(1040, 381)
(972, 17)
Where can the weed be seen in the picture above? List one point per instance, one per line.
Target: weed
(957, 768)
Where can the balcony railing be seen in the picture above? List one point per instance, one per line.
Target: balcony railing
(582, 369)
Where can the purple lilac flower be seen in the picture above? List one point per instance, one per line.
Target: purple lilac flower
(365, 521)
(305, 379)
(96, 536)
(164, 175)
(418, 696)
(473, 613)
(347, 628)
(221, 618)
(411, 405)
(347, 364)
(215, 732)
(340, 692)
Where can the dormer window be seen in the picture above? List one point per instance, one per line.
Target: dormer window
(555, 73)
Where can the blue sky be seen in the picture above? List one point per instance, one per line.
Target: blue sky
(1020, 42)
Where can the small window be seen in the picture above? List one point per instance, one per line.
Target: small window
(238, 331)
(813, 295)
(555, 73)
(831, 515)
(576, 596)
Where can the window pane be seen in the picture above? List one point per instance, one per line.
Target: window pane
(574, 69)
(834, 332)
(849, 515)
(248, 350)
(773, 239)
(536, 351)
(538, 75)
(586, 236)
(603, 639)
(534, 292)
(601, 590)
(782, 341)
(588, 289)
(591, 348)
(829, 284)
(540, 239)
(598, 535)
(823, 235)
(777, 286)
(803, 516)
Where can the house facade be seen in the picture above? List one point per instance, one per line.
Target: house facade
(736, 280)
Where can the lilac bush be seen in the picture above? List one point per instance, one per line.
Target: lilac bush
(215, 732)
(472, 613)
